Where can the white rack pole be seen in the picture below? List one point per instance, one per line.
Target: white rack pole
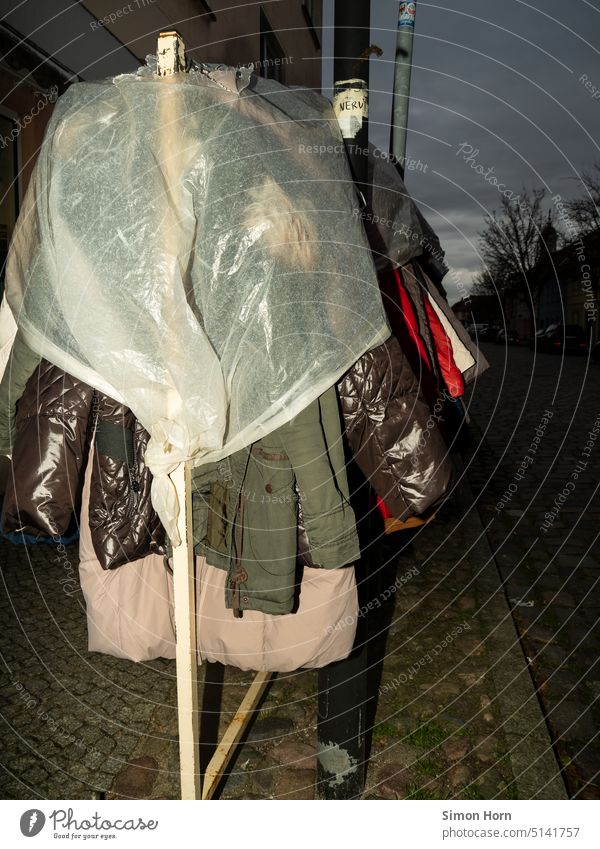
(186, 652)
(171, 60)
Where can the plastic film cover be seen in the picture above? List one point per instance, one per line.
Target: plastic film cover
(189, 246)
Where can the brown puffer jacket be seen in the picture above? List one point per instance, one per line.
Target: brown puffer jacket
(392, 432)
(49, 450)
(123, 522)
(57, 417)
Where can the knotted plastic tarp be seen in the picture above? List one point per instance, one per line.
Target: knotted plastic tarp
(188, 246)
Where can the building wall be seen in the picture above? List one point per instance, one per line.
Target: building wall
(234, 38)
(30, 110)
(572, 298)
(517, 315)
(551, 303)
(576, 312)
(480, 309)
(25, 110)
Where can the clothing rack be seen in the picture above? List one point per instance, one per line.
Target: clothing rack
(171, 60)
(342, 685)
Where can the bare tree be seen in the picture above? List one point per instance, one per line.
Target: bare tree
(512, 245)
(585, 210)
(483, 283)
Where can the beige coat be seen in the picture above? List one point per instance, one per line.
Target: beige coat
(130, 613)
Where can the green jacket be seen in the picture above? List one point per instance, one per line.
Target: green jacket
(247, 509)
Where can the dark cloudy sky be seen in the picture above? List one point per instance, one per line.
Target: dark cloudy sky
(503, 76)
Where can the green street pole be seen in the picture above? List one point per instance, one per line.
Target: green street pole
(404, 50)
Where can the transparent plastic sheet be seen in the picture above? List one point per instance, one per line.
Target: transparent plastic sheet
(8, 331)
(188, 245)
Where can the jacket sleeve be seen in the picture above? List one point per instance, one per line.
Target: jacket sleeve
(313, 443)
(480, 364)
(21, 364)
(123, 523)
(392, 432)
(43, 496)
(450, 371)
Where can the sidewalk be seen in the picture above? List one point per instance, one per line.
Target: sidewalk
(457, 717)
(533, 466)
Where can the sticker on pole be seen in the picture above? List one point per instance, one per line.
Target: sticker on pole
(406, 15)
(351, 106)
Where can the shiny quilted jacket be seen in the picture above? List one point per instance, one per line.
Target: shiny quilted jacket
(392, 432)
(48, 452)
(123, 522)
(58, 420)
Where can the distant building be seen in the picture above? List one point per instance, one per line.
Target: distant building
(479, 309)
(563, 288)
(569, 285)
(518, 312)
(45, 47)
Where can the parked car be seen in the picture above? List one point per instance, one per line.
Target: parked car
(507, 337)
(488, 334)
(474, 330)
(542, 343)
(567, 338)
(535, 340)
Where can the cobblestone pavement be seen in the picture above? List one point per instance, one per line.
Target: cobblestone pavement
(69, 717)
(457, 714)
(533, 463)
